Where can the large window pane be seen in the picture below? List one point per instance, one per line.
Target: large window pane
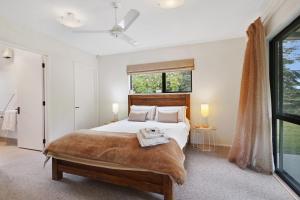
(180, 81)
(285, 88)
(290, 155)
(291, 73)
(146, 83)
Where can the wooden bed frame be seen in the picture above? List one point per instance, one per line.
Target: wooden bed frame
(141, 180)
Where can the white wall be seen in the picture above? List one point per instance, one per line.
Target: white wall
(60, 79)
(12, 88)
(8, 87)
(8, 82)
(216, 80)
(287, 12)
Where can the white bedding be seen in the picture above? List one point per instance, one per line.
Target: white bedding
(178, 131)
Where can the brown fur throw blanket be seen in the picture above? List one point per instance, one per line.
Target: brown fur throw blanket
(123, 150)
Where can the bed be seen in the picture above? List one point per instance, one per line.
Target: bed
(145, 180)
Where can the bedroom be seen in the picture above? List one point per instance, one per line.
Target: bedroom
(92, 79)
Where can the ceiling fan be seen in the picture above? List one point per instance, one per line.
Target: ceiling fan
(120, 27)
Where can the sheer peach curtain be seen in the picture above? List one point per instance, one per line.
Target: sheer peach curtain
(252, 145)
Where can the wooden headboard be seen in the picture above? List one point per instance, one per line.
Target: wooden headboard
(161, 100)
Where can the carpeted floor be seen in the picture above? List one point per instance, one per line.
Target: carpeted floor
(210, 177)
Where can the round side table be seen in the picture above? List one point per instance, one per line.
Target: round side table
(199, 135)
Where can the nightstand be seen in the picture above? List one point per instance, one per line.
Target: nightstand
(200, 135)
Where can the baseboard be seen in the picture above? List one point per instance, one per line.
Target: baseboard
(286, 187)
(224, 145)
(9, 141)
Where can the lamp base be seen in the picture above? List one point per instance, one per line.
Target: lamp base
(115, 119)
(204, 126)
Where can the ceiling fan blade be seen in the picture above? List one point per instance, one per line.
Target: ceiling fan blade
(92, 31)
(128, 39)
(128, 19)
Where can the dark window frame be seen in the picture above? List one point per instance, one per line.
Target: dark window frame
(276, 79)
(164, 84)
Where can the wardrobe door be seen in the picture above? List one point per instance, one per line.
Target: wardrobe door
(86, 106)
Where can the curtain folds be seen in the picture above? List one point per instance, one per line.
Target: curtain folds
(252, 145)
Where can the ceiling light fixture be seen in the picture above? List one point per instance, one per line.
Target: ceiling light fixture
(69, 20)
(170, 3)
(8, 53)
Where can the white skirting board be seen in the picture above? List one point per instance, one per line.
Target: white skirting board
(8, 141)
(288, 189)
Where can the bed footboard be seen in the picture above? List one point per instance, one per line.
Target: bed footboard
(144, 181)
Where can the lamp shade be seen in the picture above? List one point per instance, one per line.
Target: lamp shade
(115, 108)
(204, 110)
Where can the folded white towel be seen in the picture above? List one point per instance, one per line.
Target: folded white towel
(10, 120)
(152, 141)
(149, 133)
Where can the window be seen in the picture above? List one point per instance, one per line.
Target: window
(146, 83)
(285, 88)
(166, 82)
(179, 81)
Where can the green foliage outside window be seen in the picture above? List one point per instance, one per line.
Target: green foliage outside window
(291, 76)
(290, 97)
(180, 81)
(146, 83)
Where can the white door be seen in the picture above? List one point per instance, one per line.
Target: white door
(29, 100)
(86, 106)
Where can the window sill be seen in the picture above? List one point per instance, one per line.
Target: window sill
(171, 93)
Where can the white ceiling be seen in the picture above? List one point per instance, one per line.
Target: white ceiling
(196, 21)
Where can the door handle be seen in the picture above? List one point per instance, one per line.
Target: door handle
(18, 110)
(77, 107)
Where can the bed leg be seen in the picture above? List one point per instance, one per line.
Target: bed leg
(56, 174)
(168, 188)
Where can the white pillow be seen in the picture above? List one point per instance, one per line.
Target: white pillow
(180, 109)
(149, 109)
(137, 116)
(167, 117)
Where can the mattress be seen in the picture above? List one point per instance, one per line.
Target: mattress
(178, 131)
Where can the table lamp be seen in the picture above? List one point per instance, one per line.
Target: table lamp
(115, 110)
(205, 113)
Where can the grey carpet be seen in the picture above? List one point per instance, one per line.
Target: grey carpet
(210, 177)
